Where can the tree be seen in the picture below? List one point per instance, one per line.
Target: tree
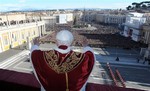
(76, 10)
(144, 6)
(129, 7)
(146, 2)
(136, 5)
(148, 6)
(75, 21)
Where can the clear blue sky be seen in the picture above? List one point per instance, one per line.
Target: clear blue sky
(6, 5)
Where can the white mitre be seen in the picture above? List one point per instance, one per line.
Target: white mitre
(64, 37)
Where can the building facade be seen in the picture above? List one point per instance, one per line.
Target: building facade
(63, 18)
(12, 19)
(145, 38)
(89, 17)
(19, 33)
(133, 26)
(110, 18)
(50, 21)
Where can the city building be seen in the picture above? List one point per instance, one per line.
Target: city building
(89, 17)
(145, 30)
(133, 25)
(110, 18)
(50, 21)
(10, 19)
(20, 31)
(146, 34)
(63, 18)
(78, 16)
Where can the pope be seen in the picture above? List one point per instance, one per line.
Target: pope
(62, 68)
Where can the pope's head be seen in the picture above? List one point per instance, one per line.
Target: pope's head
(64, 37)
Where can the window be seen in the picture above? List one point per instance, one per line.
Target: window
(23, 36)
(143, 34)
(29, 34)
(5, 40)
(14, 37)
(34, 33)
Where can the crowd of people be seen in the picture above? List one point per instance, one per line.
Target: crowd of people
(103, 36)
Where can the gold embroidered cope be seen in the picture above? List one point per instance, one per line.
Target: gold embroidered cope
(67, 64)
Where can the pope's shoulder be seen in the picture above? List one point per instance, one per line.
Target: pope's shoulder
(89, 53)
(40, 51)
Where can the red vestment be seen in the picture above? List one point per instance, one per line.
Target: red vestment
(57, 71)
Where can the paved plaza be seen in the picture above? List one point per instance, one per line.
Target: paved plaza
(136, 75)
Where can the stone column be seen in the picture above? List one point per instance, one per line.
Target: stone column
(44, 29)
(1, 49)
(17, 22)
(28, 46)
(39, 30)
(149, 46)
